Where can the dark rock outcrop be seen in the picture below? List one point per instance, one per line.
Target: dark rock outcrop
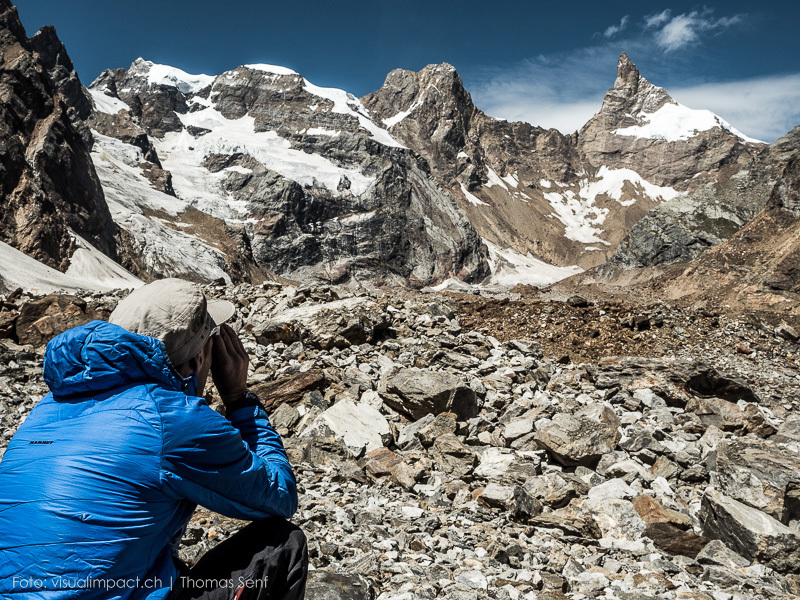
(49, 186)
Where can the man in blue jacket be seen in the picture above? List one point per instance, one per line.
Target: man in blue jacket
(99, 482)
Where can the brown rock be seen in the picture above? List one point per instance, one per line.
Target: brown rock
(8, 322)
(41, 320)
(290, 388)
(652, 512)
(671, 539)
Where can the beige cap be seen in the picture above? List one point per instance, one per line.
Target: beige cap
(174, 311)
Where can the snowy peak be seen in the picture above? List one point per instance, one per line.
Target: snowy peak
(635, 107)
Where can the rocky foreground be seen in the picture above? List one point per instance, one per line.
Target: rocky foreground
(459, 447)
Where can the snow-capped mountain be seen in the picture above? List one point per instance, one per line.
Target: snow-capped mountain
(260, 165)
(258, 172)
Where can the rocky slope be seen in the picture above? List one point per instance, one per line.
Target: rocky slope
(50, 195)
(438, 459)
(571, 199)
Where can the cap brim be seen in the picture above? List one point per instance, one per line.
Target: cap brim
(220, 310)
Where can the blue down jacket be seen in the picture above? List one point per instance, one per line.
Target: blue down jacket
(99, 481)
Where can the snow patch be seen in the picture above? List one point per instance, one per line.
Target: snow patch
(87, 271)
(107, 104)
(511, 179)
(183, 155)
(510, 268)
(583, 220)
(173, 77)
(494, 179)
(472, 198)
(674, 122)
(97, 270)
(544, 183)
(347, 104)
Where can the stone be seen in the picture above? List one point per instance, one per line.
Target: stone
(409, 432)
(750, 532)
(717, 553)
(787, 332)
(285, 416)
(674, 540)
(579, 439)
(664, 467)
(762, 475)
(325, 585)
(551, 489)
(517, 428)
(613, 489)
(420, 392)
(494, 463)
(453, 457)
(497, 496)
(289, 389)
(42, 319)
(652, 512)
(620, 524)
(361, 427)
(443, 423)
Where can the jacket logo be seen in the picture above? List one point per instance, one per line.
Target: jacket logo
(41, 442)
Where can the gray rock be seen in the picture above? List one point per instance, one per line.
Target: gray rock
(750, 532)
(423, 392)
(717, 553)
(580, 439)
(324, 585)
(762, 475)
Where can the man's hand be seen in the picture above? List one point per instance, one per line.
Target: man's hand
(229, 365)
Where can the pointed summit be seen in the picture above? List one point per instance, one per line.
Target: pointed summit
(632, 93)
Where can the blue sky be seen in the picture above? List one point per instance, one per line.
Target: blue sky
(548, 63)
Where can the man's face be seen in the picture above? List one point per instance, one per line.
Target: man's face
(200, 365)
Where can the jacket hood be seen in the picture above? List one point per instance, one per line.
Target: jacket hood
(99, 357)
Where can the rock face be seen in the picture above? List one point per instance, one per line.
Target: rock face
(320, 190)
(50, 190)
(757, 267)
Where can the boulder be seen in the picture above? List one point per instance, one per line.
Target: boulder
(653, 512)
(762, 475)
(337, 324)
(42, 319)
(750, 532)
(418, 392)
(582, 438)
(360, 426)
(290, 388)
(674, 540)
(453, 457)
(619, 523)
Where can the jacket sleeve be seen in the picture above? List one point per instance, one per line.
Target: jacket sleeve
(236, 467)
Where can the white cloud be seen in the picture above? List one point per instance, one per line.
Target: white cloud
(613, 30)
(658, 19)
(683, 30)
(565, 91)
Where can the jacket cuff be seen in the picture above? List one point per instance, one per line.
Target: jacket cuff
(248, 400)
